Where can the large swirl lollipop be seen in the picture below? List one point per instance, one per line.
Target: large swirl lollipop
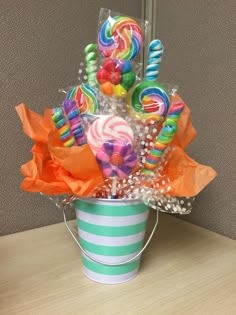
(107, 128)
(120, 37)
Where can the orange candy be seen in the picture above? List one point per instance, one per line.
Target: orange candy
(107, 88)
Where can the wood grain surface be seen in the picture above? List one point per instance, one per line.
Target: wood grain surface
(185, 270)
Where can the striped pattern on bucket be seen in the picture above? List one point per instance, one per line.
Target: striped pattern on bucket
(111, 231)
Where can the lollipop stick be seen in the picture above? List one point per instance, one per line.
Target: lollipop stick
(114, 188)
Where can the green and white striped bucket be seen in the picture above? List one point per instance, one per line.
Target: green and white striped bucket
(111, 232)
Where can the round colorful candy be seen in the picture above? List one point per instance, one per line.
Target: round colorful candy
(116, 158)
(108, 128)
(120, 37)
(149, 101)
(86, 98)
(116, 77)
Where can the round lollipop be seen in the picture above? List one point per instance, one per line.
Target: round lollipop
(120, 37)
(149, 101)
(116, 158)
(108, 127)
(86, 98)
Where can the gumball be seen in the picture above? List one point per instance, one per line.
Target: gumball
(119, 91)
(115, 78)
(125, 66)
(107, 88)
(103, 76)
(110, 65)
(128, 80)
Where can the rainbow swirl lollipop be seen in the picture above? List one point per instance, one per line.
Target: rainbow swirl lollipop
(120, 37)
(149, 101)
(86, 98)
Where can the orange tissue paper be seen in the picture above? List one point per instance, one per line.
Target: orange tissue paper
(55, 169)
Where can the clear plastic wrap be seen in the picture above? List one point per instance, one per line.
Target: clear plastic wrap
(120, 36)
(116, 135)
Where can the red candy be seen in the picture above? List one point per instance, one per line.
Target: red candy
(115, 77)
(103, 76)
(110, 65)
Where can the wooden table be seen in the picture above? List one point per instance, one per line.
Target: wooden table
(185, 270)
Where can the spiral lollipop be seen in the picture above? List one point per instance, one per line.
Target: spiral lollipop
(120, 37)
(149, 101)
(154, 59)
(75, 121)
(86, 98)
(90, 52)
(164, 138)
(61, 124)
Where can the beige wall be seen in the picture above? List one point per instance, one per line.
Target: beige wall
(41, 46)
(199, 40)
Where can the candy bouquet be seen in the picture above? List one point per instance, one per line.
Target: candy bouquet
(115, 148)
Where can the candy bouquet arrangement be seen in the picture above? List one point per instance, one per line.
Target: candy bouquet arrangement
(114, 148)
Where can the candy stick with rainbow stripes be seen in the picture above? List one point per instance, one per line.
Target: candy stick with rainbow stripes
(75, 121)
(63, 127)
(164, 137)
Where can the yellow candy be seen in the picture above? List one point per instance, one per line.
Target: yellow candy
(69, 142)
(63, 129)
(119, 91)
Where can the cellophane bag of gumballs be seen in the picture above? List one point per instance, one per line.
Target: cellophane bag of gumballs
(115, 148)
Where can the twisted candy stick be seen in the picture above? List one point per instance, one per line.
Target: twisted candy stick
(75, 121)
(154, 59)
(61, 124)
(165, 137)
(90, 52)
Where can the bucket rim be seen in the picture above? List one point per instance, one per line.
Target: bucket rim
(136, 201)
